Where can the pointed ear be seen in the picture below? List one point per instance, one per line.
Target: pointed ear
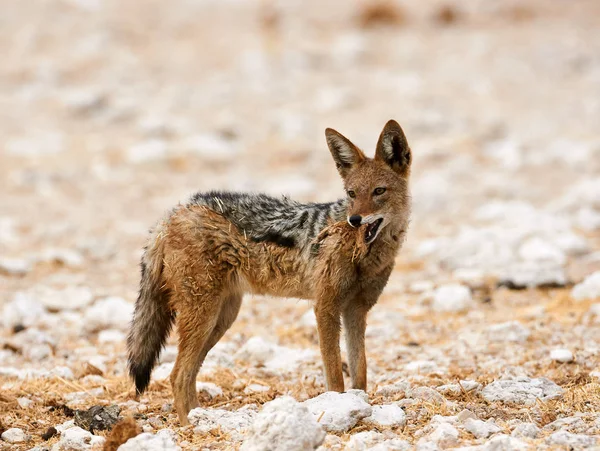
(392, 148)
(345, 154)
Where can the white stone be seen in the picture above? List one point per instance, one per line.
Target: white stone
(503, 442)
(272, 357)
(444, 435)
(588, 219)
(68, 257)
(481, 429)
(526, 430)
(24, 402)
(110, 312)
(256, 388)
(36, 145)
(14, 435)
(387, 415)
(77, 439)
(422, 366)
(69, 298)
(538, 249)
(14, 266)
(457, 389)
(532, 274)
(421, 286)
(511, 331)
(212, 390)
(571, 441)
(522, 390)
(375, 441)
(24, 310)
(588, 289)
(111, 336)
(452, 298)
(561, 355)
(338, 412)
(236, 421)
(284, 424)
(150, 150)
(162, 441)
(211, 147)
(163, 371)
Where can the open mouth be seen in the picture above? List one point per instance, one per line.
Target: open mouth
(372, 229)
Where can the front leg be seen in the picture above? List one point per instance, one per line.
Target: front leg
(328, 325)
(355, 324)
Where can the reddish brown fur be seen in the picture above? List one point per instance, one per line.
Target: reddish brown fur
(205, 264)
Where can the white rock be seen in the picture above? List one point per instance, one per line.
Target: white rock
(375, 441)
(503, 442)
(426, 394)
(284, 424)
(14, 266)
(83, 101)
(14, 435)
(272, 357)
(36, 145)
(588, 289)
(68, 257)
(24, 402)
(393, 389)
(561, 355)
(77, 439)
(522, 390)
(422, 366)
(150, 150)
(163, 371)
(212, 390)
(421, 286)
(481, 429)
(538, 249)
(111, 336)
(69, 298)
(444, 435)
(236, 421)
(338, 412)
(37, 353)
(457, 389)
(532, 274)
(452, 298)
(387, 415)
(256, 388)
(211, 147)
(571, 441)
(110, 312)
(511, 331)
(23, 309)
(588, 219)
(526, 430)
(162, 441)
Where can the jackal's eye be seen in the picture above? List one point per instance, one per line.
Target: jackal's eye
(351, 194)
(379, 191)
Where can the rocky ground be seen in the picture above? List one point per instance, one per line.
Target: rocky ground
(487, 336)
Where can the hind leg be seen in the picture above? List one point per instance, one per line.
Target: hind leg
(196, 319)
(229, 311)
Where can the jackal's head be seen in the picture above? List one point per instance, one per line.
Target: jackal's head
(377, 188)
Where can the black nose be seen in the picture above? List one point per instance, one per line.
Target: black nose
(355, 220)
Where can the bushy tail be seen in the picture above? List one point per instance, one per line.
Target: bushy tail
(152, 318)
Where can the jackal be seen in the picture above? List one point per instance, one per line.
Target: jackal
(206, 254)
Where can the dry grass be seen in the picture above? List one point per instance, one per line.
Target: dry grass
(582, 392)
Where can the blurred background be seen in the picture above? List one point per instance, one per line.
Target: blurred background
(113, 111)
